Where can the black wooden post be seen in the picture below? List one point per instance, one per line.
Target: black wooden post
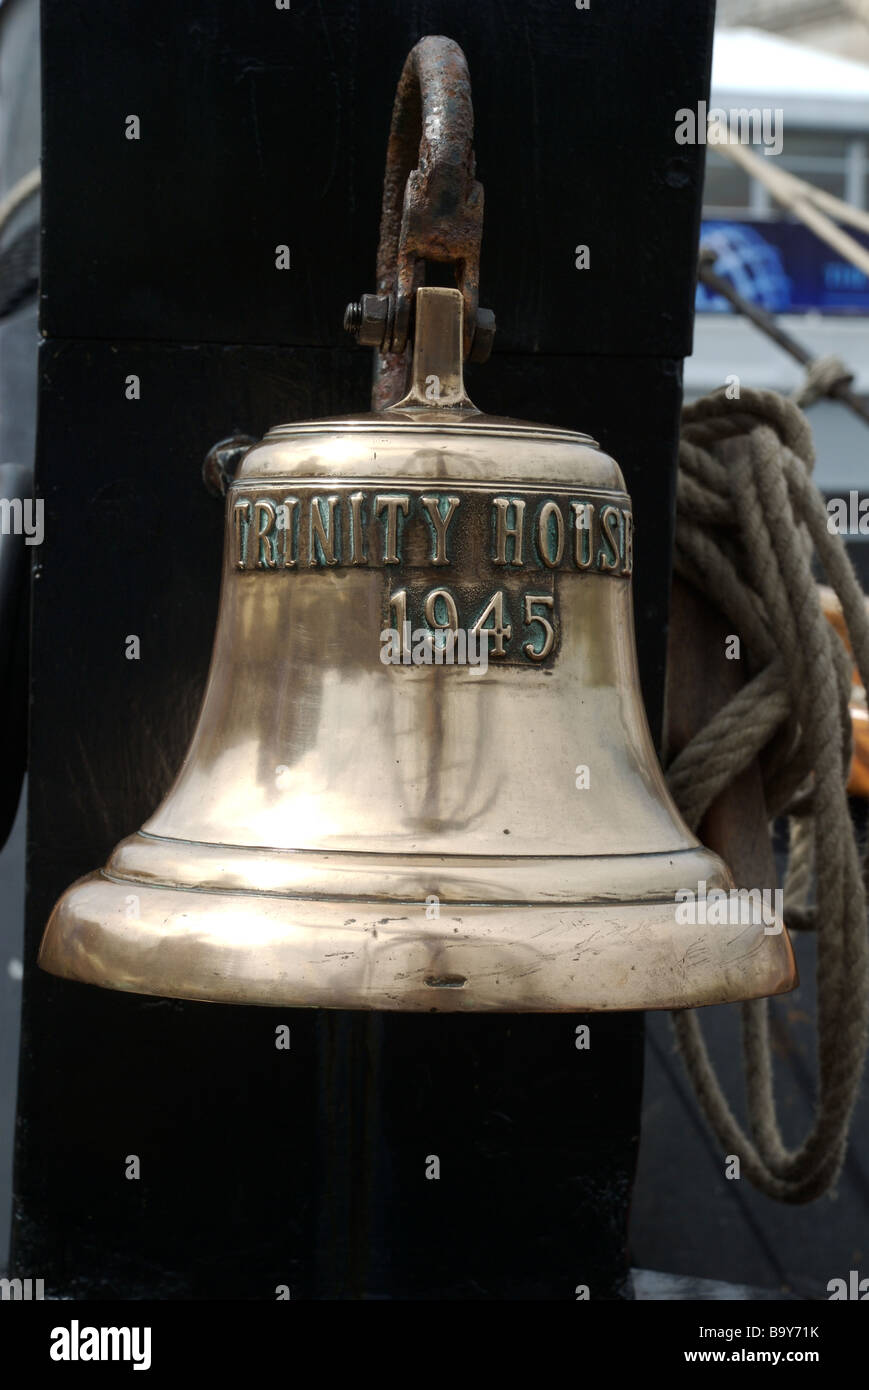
(261, 127)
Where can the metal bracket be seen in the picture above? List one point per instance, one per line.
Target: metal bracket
(222, 460)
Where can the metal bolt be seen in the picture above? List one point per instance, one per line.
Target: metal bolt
(353, 317)
(484, 336)
(368, 319)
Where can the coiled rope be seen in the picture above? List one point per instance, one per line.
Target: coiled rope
(749, 519)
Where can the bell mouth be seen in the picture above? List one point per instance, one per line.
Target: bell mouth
(459, 948)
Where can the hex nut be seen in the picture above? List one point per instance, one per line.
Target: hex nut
(372, 326)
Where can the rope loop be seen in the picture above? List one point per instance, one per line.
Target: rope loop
(749, 523)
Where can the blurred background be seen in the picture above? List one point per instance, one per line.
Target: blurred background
(809, 58)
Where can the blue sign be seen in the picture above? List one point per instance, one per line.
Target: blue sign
(783, 267)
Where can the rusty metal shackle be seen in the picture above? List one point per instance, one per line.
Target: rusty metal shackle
(432, 204)
(432, 210)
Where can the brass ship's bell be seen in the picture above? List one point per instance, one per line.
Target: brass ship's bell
(364, 820)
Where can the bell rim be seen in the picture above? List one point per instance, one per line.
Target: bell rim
(249, 949)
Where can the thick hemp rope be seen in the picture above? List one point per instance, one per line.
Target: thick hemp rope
(749, 519)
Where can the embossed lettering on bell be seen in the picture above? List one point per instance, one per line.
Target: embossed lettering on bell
(350, 832)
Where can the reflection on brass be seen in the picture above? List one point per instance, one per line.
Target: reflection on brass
(353, 834)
